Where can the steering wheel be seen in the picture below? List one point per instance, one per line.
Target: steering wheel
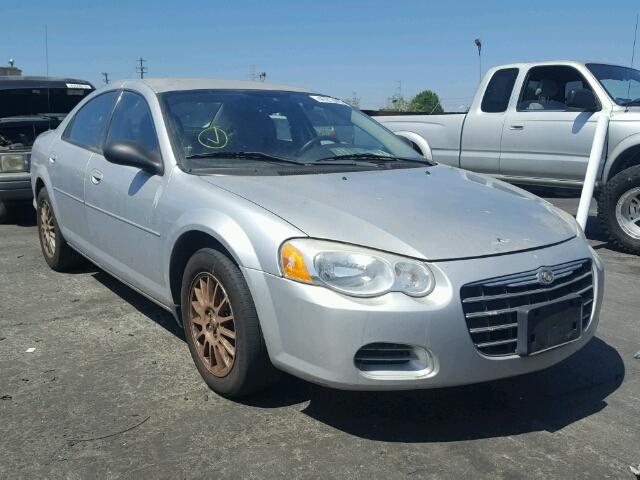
(315, 140)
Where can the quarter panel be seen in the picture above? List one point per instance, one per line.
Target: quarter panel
(442, 132)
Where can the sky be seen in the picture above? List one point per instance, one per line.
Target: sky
(369, 47)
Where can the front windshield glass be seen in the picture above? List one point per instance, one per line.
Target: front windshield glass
(215, 128)
(621, 83)
(17, 102)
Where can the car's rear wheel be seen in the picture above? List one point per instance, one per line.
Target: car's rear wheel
(222, 327)
(619, 209)
(55, 249)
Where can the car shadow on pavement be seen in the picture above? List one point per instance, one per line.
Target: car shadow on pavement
(542, 401)
(22, 215)
(154, 312)
(548, 400)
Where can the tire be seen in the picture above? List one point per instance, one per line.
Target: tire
(55, 249)
(619, 209)
(4, 214)
(224, 337)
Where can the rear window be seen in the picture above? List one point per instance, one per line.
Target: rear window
(496, 97)
(32, 101)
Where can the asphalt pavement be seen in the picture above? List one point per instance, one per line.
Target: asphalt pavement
(97, 382)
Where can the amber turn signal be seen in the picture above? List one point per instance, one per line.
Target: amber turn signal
(292, 263)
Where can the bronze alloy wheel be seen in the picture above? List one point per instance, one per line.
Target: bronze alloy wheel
(47, 229)
(212, 324)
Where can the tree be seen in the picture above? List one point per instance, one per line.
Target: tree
(426, 101)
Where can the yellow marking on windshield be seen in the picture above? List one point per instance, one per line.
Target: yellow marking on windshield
(213, 137)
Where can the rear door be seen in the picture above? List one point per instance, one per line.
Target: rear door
(482, 129)
(543, 138)
(121, 201)
(68, 160)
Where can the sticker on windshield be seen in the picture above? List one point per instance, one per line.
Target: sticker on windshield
(321, 99)
(213, 137)
(79, 85)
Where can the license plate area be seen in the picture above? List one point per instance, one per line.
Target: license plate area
(544, 326)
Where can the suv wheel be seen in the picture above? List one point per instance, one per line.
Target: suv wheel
(55, 249)
(222, 327)
(619, 209)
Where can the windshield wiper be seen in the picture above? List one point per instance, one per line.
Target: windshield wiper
(372, 157)
(244, 156)
(631, 103)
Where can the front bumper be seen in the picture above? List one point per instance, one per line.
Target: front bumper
(15, 187)
(314, 333)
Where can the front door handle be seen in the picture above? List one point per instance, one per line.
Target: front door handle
(516, 127)
(96, 177)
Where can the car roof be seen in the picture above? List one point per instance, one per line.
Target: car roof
(160, 85)
(13, 82)
(553, 62)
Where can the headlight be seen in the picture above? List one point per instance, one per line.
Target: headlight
(572, 221)
(14, 162)
(353, 270)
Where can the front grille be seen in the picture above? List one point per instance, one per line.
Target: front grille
(491, 306)
(384, 354)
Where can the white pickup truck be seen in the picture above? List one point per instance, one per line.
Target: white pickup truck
(533, 123)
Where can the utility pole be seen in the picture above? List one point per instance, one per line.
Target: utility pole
(105, 78)
(478, 43)
(141, 69)
(46, 48)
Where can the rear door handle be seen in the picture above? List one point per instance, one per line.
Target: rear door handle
(96, 176)
(516, 127)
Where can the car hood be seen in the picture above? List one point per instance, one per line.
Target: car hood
(432, 213)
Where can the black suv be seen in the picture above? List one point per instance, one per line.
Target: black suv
(28, 107)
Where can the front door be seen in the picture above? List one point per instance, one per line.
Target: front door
(543, 138)
(121, 202)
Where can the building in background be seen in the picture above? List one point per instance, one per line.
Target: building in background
(10, 71)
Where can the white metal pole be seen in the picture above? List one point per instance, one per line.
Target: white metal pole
(592, 169)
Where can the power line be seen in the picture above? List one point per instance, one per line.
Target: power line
(141, 69)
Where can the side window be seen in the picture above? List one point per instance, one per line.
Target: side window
(132, 121)
(496, 97)
(89, 123)
(547, 88)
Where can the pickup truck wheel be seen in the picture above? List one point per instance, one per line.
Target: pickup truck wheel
(619, 209)
(55, 249)
(222, 327)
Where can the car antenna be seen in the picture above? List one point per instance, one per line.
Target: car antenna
(633, 55)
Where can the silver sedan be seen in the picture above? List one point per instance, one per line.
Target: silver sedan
(286, 230)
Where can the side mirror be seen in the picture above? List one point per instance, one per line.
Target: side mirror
(134, 155)
(583, 100)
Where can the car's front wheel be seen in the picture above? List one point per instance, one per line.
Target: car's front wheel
(619, 209)
(55, 249)
(222, 327)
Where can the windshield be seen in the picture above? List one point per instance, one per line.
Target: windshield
(227, 128)
(33, 101)
(621, 83)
